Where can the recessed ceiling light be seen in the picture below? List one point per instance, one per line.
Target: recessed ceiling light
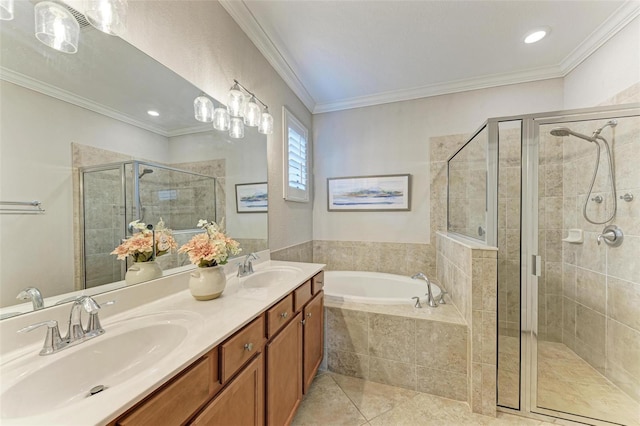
(153, 113)
(536, 35)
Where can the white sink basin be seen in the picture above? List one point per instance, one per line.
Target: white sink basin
(39, 384)
(268, 277)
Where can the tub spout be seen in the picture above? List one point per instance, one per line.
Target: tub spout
(431, 300)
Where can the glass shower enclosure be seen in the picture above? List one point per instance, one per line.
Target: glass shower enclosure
(114, 195)
(568, 282)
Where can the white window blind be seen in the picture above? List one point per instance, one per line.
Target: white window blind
(297, 158)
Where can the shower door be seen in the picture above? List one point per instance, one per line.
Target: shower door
(581, 301)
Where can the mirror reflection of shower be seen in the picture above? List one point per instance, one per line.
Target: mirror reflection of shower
(594, 138)
(143, 209)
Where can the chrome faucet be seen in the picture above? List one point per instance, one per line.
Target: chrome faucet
(430, 299)
(76, 332)
(246, 268)
(53, 343)
(33, 294)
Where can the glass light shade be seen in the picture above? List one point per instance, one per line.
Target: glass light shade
(237, 128)
(252, 112)
(6, 10)
(221, 119)
(203, 109)
(109, 16)
(266, 123)
(56, 27)
(235, 102)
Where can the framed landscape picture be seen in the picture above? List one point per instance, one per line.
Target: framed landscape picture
(251, 197)
(369, 193)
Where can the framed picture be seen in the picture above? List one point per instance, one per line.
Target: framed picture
(251, 197)
(369, 193)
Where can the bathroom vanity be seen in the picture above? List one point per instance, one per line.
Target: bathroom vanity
(246, 358)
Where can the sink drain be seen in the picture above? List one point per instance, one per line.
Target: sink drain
(96, 389)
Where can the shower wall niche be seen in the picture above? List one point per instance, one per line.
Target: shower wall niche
(114, 195)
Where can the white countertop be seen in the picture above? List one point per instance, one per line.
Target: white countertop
(211, 323)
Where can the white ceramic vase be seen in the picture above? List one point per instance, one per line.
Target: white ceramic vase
(207, 283)
(142, 271)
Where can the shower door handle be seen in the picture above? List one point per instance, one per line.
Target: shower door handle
(536, 265)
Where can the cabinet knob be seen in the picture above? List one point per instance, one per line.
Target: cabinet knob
(284, 314)
(303, 322)
(309, 315)
(248, 347)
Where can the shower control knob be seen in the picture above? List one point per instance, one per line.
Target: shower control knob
(597, 199)
(628, 197)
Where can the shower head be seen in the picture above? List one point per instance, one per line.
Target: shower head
(145, 172)
(565, 131)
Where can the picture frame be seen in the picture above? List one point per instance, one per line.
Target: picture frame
(251, 197)
(378, 193)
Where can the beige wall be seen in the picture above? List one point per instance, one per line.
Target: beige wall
(202, 43)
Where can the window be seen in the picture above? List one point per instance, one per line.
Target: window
(296, 152)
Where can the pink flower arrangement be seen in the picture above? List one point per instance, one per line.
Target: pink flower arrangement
(140, 245)
(211, 248)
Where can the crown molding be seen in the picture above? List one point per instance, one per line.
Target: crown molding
(65, 96)
(626, 13)
(203, 128)
(279, 61)
(285, 68)
(485, 82)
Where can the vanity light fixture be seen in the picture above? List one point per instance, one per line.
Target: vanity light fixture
(6, 10)
(203, 107)
(236, 130)
(249, 111)
(221, 119)
(536, 35)
(108, 16)
(56, 27)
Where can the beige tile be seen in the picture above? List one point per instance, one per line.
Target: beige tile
(489, 338)
(347, 330)
(488, 390)
(623, 347)
(442, 383)
(325, 403)
(590, 328)
(392, 373)
(591, 290)
(476, 388)
(623, 300)
(623, 260)
(392, 337)
(348, 363)
(442, 346)
(372, 399)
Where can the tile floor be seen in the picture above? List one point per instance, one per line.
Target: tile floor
(342, 400)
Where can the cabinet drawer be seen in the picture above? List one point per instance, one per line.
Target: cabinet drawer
(302, 295)
(240, 348)
(176, 402)
(279, 315)
(317, 282)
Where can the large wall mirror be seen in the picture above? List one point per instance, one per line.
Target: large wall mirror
(75, 134)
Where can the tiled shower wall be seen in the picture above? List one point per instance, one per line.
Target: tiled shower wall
(600, 285)
(105, 213)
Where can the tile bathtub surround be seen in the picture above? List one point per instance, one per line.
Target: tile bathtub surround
(302, 252)
(469, 273)
(407, 351)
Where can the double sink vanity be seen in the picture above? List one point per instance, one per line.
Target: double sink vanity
(165, 358)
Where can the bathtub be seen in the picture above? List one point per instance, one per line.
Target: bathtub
(375, 288)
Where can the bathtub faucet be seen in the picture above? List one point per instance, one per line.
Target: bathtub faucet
(431, 300)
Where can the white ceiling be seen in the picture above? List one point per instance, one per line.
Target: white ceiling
(345, 54)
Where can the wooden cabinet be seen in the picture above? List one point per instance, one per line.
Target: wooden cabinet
(175, 403)
(284, 373)
(241, 402)
(313, 314)
(257, 375)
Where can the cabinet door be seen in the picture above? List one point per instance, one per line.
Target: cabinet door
(284, 373)
(313, 338)
(241, 402)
